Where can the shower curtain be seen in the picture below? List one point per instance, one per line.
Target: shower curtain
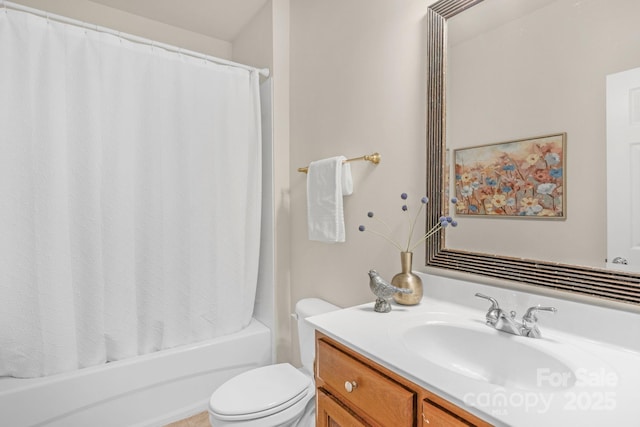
(129, 197)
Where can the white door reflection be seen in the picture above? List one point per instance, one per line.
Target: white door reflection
(623, 170)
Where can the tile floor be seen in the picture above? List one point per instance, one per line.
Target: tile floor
(198, 420)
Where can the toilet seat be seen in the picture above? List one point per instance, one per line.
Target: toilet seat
(260, 392)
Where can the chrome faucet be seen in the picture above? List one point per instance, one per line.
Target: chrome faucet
(500, 320)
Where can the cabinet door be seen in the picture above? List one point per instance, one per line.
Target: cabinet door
(437, 412)
(331, 414)
(434, 416)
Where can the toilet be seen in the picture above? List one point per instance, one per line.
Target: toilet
(275, 395)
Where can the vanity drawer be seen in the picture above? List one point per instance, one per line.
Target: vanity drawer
(372, 394)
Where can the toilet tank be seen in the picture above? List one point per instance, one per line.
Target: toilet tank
(306, 332)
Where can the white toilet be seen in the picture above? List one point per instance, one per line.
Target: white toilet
(276, 395)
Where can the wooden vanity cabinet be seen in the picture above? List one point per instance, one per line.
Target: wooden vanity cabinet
(353, 391)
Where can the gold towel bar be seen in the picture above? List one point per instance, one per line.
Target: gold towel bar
(373, 158)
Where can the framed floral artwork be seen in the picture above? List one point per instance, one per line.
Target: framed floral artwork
(522, 179)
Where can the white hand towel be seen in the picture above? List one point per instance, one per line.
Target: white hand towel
(328, 180)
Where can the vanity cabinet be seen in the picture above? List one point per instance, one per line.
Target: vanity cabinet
(353, 391)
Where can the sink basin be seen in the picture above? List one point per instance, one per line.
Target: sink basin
(480, 352)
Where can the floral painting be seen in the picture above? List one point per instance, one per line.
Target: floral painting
(524, 178)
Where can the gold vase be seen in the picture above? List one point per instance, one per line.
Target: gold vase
(407, 280)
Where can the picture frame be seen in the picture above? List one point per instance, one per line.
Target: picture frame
(524, 178)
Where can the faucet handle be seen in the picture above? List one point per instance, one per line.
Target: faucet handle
(493, 314)
(494, 303)
(530, 317)
(531, 311)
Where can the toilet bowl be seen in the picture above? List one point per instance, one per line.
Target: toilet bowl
(275, 395)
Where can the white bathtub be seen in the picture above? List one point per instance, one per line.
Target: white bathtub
(150, 390)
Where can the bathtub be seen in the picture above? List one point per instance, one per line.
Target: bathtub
(149, 390)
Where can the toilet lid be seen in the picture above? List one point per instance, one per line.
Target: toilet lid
(260, 392)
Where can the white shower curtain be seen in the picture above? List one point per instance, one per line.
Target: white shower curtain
(129, 197)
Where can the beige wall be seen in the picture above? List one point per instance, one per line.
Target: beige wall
(254, 44)
(282, 173)
(357, 86)
(265, 43)
(349, 78)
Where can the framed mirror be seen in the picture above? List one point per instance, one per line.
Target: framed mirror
(586, 280)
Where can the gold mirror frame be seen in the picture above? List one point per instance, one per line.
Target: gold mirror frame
(586, 281)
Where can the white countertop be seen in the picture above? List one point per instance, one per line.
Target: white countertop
(607, 389)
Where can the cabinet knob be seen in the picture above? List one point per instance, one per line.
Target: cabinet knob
(350, 386)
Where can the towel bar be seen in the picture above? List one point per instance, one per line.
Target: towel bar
(373, 158)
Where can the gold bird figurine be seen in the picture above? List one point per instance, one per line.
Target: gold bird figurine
(384, 291)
